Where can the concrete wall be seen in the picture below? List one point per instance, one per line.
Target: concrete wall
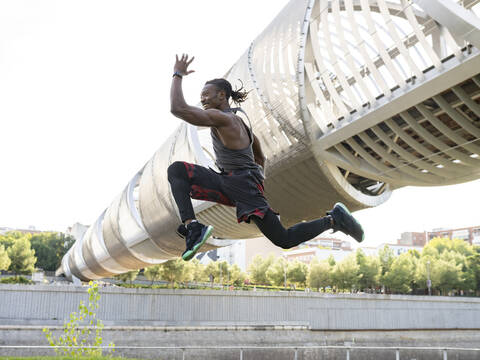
(49, 305)
(134, 342)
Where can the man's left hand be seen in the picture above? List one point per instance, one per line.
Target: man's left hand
(181, 66)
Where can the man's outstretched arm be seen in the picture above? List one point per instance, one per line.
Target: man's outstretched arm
(180, 108)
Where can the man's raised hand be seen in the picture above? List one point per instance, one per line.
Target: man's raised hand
(181, 66)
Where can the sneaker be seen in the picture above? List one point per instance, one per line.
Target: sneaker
(197, 234)
(182, 231)
(344, 221)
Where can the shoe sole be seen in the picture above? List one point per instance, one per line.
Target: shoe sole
(191, 253)
(349, 213)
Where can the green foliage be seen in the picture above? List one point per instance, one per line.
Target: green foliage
(211, 271)
(319, 275)
(128, 276)
(50, 248)
(15, 280)
(399, 278)
(331, 261)
(172, 270)
(198, 271)
(77, 338)
(153, 273)
(473, 264)
(237, 276)
(22, 256)
(368, 270)
(188, 271)
(219, 270)
(297, 272)
(258, 269)
(385, 256)
(277, 272)
(4, 259)
(344, 275)
(223, 271)
(10, 237)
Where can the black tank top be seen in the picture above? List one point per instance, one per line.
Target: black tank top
(228, 159)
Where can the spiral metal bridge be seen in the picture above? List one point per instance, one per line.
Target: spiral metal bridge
(351, 99)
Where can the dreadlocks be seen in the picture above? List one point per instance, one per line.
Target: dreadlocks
(238, 96)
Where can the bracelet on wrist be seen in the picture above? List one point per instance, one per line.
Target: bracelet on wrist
(176, 73)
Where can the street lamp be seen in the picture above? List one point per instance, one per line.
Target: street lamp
(429, 282)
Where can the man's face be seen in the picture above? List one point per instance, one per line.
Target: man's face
(211, 97)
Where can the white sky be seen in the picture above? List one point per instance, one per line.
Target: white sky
(84, 103)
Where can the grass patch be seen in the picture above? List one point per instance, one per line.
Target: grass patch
(15, 280)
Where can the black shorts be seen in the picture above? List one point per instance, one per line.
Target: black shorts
(240, 188)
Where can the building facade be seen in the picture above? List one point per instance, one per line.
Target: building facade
(468, 234)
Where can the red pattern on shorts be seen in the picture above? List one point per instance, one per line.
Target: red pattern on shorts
(189, 168)
(260, 187)
(257, 212)
(201, 193)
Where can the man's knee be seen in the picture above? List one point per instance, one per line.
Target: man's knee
(281, 243)
(176, 170)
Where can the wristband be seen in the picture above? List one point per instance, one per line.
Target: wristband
(176, 73)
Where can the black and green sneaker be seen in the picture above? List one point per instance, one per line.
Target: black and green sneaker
(345, 222)
(197, 234)
(181, 231)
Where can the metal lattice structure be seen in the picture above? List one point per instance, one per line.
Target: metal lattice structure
(351, 99)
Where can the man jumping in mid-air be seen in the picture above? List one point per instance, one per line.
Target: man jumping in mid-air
(239, 157)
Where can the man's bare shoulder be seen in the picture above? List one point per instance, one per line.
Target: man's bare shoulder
(223, 118)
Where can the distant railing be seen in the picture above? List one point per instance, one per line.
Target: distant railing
(349, 349)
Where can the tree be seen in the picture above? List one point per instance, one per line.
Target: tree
(50, 249)
(172, 270)
(198, 271)
(22, 256)
(344, 275)
(331, 261)
(276, 273)
(223, 271)
(10, 237)
(211, 271)
(297, 272)
(439, 244)
(446, 274)
(4, 259)
(153, 273)
(385, 256)
(258, 269)
(128, 276)
(237, 276)
(401, 274)
(188, 272)
(473, 263)
(368, 270)
(319, 275)
(462, 247)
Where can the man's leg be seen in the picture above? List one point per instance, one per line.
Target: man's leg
(273, 229)
(338, 219)
(180, 184)
(193, 181)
